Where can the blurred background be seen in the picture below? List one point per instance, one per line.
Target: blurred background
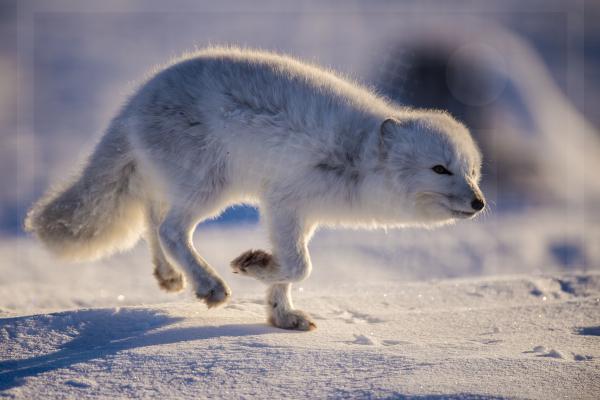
(524, 76)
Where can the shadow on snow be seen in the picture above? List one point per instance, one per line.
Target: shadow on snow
(104, 332)
(588, 330)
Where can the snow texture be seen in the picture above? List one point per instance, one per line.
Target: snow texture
(450, 339)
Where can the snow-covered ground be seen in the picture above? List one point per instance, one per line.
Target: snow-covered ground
(477, 338)
(395, 316)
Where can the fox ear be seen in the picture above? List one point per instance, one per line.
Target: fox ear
(392, 129)
(387, 126)
(386, 135)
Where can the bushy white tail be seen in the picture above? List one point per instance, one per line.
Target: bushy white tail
(97, 214)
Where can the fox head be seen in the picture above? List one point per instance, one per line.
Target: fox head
(434, 163)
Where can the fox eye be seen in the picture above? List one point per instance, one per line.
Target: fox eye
(440, 169)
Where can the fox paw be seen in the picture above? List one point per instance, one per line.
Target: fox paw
(292, 319)
(255, 263)
(215, 295)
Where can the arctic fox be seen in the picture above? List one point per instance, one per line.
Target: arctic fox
(226, 126)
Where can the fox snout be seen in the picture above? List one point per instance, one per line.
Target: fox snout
(477, 199)
(477, 204)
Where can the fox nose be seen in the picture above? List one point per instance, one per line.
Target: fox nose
(477, 204)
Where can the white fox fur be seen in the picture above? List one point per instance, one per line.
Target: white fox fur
(227, 126)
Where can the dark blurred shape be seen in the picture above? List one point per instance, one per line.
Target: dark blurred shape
(589, 330)
(10, 214)
(567, 254)
(429, 77)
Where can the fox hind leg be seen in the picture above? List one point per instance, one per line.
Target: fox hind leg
(167, 276)
(175, 237)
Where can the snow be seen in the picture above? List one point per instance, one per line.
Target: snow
(393, 319)
(460, 338)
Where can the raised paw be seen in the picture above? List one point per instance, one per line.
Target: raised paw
(172, 281)
(251, 259)
(256, 263)
(214, 295)
(292, 319)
